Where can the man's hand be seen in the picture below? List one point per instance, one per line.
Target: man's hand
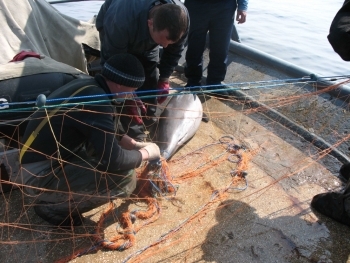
(131, 108)
(140, 145)
(241, 16)
(150, 152)
(163, 89)
(128, 143)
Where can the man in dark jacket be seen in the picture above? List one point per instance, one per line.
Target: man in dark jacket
(139, 27)
(339, 33)
(71, 159)
(337, 205)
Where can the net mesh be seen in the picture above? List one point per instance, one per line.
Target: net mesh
(270, 140)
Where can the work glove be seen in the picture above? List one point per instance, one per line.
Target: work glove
(132, 108)
(163, 89)
(153, 151)
(140, 145)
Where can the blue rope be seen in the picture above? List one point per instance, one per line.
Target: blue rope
(184, 90)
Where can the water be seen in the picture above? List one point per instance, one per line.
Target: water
(293, 30)
(296, 31)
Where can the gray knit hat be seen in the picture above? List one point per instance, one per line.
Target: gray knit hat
(124, 69)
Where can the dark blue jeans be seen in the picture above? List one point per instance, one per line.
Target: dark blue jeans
(217, 17)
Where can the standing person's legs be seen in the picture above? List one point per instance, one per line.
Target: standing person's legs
(222, 18)
(65, 192)
(196, 41)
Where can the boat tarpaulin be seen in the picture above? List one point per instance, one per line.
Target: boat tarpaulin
(35, 25)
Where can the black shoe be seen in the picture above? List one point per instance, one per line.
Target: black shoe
(150, 123)
(149, 120)
(195, 87)
(150, 117)
(47, 212)
(221, 90)
(205, 118)
(221, 93)
(345, 171)
(331, 205)
(193, 84)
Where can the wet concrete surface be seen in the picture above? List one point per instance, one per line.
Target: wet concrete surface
(210, 219)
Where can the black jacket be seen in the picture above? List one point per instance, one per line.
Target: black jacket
(123, 29)
(339, 33)
(88, 120)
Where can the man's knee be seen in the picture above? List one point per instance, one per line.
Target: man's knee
(126, 187)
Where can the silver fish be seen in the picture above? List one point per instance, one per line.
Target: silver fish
(178, 123)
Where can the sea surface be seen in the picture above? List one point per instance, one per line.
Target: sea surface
(292, 30)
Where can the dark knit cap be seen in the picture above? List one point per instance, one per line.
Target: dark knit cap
(124, 69)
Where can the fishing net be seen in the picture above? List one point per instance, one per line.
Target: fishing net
(241, 187)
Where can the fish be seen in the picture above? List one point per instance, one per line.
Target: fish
(178, 123)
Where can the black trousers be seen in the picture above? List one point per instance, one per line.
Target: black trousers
(217, 17)
(76, 185)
